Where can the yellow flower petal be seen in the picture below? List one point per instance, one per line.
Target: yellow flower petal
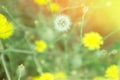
(112, 72)
(60, 76)
(3, 20)
(40, 45)
(36, 78)
(42, 2)
(47, 76)
(92, 40)
(6, 30)
(54, 7)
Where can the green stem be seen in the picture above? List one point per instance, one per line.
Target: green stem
(34, 56)
(19, 76)
(81, 28)
(4, 63)
(5, 67)
(11, 16)
(110, 34)
(18, 51)
(7, 11)
(37, 64)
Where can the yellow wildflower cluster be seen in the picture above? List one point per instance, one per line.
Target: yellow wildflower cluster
(92, 40)
(111, 73)
(50, 76)
(52, 6)
(60, 76)
(6, 27)
(41, 45)
(42, 2)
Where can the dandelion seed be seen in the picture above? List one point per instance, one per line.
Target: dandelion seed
(113, 52)
(101, 53)
(85, 9)
(92, 40)
(62, 23)
(21, 69)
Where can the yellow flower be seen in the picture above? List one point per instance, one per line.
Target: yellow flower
(42, 2)
(99, 78)
(36, 78)
(60, 76)
(3, 19)
(92, 40)
(54, 7)
(112, 72)
(40, 45)
(6, 30)
(47, 76)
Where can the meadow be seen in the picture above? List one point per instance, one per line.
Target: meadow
(59, 40)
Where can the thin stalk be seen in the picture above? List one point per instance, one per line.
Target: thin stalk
(18, 51)
(81, 28)
(37, 64)
(110, 34)
(34, 57)
(5, 67)
(4, 63)
(11, 16)
(19, 76)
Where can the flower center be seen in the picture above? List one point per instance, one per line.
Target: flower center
(62, 23)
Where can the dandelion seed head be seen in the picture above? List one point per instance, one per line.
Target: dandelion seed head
(21, 70)
(62, 23)
(85, 9)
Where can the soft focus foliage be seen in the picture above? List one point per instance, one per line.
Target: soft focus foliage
(59, 40)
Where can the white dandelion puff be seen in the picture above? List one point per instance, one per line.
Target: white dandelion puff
(62, 23)
(85, 9)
